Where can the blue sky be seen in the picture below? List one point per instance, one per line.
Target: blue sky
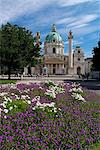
(80, 16)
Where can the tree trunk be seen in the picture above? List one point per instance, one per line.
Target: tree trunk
(9, 73)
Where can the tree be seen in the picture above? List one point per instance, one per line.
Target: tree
(96, 58)
(17, 48)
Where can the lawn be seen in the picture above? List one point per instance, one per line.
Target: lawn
(48, 116)
(6, 81)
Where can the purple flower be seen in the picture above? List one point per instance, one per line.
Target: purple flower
(10, 138)
(1, 138)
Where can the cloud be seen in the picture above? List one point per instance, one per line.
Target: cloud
(80, 21)
(65, 3)
(85, 30)
(80, 26)
(84, 20)
(65, 20)
(75, 42)
(10, 9)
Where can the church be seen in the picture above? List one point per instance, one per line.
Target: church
(55, 62)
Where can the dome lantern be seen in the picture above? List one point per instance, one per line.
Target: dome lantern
(53, 29)
(53, 36)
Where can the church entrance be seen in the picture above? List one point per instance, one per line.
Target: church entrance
(79, 70)
(54, 68)
(45, 70)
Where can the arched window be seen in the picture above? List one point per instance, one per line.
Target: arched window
(54, 50)
(78, 59)
(53, 40)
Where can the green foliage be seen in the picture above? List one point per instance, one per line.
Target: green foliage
(17, 106)
(49, 84)
(17, 48)
(96, 58)
(95, 146)
(8, 81)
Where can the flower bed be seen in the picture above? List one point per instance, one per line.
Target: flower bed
(48, 116)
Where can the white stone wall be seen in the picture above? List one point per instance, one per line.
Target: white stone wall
(79, 61)
(26, 70)
(88, 65)
(58, 46)
(32, 70)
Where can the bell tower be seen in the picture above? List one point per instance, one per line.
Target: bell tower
(70, 48)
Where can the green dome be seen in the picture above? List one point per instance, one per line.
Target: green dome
(53, 36)
(77, 46)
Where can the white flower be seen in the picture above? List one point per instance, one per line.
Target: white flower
(80, 90)
(33, 108)
(70, 90)
(51, 104)
(0, 111)
(57, 89)
(15, 106)
(59, 109)
(27, 96)
(17, 97)
(23, 96)
(5, 117)
(10, 108)
(38, 103)
(40, 88)
(6, 111)
(29, 102)
(76, 92)
(51, 93)
(8, 99)
(26, 90)
(55, 109)
(36, 98)
(5, 98)
(12, 94)
(3, 104)
(3, 93)
(78, 97)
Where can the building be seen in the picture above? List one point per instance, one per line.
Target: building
(55, 62)
(88, 64)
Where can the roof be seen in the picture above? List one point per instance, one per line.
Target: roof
(89, 58)
(53, 36)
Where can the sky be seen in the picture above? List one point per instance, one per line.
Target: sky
(82, 17)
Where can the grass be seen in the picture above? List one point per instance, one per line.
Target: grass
(5, 81)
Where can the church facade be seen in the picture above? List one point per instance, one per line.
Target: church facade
(55, 62)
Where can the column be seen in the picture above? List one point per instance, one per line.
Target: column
(70, 38)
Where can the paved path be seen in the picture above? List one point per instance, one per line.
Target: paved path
(96, 91)
(91, 85)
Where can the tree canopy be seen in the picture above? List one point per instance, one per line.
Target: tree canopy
(17, 48)
(96, 58)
